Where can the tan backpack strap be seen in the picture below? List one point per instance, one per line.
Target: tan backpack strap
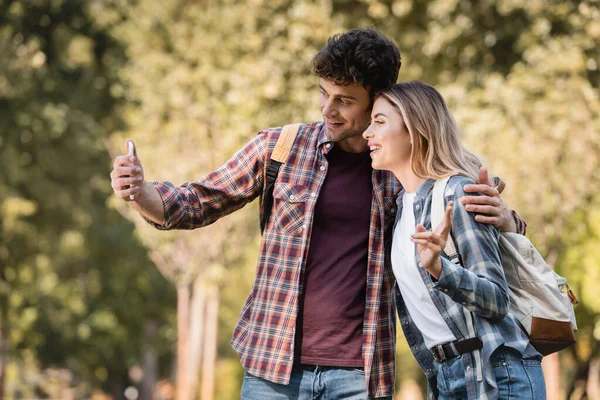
(285, 142)
(438, 211)
(279, 156)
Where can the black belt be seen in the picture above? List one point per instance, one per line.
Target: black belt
(443, 352)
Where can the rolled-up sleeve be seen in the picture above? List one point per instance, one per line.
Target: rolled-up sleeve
(520, 223)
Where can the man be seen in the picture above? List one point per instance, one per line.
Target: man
(319, 321)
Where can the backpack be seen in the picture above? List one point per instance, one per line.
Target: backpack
(278, 157)
(539, 298)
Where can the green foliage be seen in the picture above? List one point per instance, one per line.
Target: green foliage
(68, 263)
(190, 82)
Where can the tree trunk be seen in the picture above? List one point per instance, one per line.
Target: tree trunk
(551, 363)
(149, 360)
(183, 327)
(210, 343)
(3, 329)
(551, 367)
(197, 324)
(593, 381)
(117, 387)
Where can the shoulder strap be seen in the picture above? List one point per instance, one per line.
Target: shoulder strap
(285, 142)
(279, 156)
(438, 209)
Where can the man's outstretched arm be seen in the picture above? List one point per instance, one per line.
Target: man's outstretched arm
(198, 203)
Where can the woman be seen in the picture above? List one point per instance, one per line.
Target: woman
(455, 317)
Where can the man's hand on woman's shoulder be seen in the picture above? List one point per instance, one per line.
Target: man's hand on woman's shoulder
(490, 205)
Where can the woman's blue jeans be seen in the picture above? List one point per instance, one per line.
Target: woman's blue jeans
(517, 378)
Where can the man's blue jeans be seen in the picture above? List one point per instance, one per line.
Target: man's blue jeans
(309, 382)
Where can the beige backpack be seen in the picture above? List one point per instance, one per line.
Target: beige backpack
(539, 298)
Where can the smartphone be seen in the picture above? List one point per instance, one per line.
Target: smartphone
(131, 152)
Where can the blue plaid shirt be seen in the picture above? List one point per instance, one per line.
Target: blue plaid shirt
(473, 298)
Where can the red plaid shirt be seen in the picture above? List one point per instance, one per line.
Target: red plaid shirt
(264, 336)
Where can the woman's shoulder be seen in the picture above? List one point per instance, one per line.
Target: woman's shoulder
(456, 185)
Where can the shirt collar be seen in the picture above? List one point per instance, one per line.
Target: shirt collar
(422, 191)
(425, 187)
(324, 140)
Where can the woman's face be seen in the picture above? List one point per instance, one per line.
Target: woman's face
(388, 137)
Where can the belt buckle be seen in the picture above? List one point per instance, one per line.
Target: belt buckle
(438, 353)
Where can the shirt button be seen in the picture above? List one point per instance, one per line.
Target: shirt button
(313, 195)
(328, 145)
(417, 207)
(322, 168)
(468, 367)
(292, 197)
(393, 210)
(304, 226)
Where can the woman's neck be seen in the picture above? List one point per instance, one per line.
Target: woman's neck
(408, 179)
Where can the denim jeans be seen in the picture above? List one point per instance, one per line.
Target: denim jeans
(517, 378)
(309, 382)
(451, 382)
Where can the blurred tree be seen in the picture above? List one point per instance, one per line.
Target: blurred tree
(66, 261)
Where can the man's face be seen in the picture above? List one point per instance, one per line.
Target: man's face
(346, 111)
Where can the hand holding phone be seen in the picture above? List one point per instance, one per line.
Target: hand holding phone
(131, 153)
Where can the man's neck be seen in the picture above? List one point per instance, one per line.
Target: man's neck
(353, 145)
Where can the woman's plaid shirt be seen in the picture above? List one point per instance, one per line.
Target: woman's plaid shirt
(264, 336)
(478, 289)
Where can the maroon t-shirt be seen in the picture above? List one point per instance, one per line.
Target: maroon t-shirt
(329, 330)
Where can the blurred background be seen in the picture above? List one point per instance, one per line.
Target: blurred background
(93, 301)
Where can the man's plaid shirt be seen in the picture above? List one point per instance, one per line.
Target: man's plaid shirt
(264, 336)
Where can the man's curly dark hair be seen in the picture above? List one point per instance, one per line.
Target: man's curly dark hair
(359, 56)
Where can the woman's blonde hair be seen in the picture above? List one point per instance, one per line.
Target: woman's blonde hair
(436, 148)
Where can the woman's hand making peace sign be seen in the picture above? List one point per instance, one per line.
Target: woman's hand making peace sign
(431, 243)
